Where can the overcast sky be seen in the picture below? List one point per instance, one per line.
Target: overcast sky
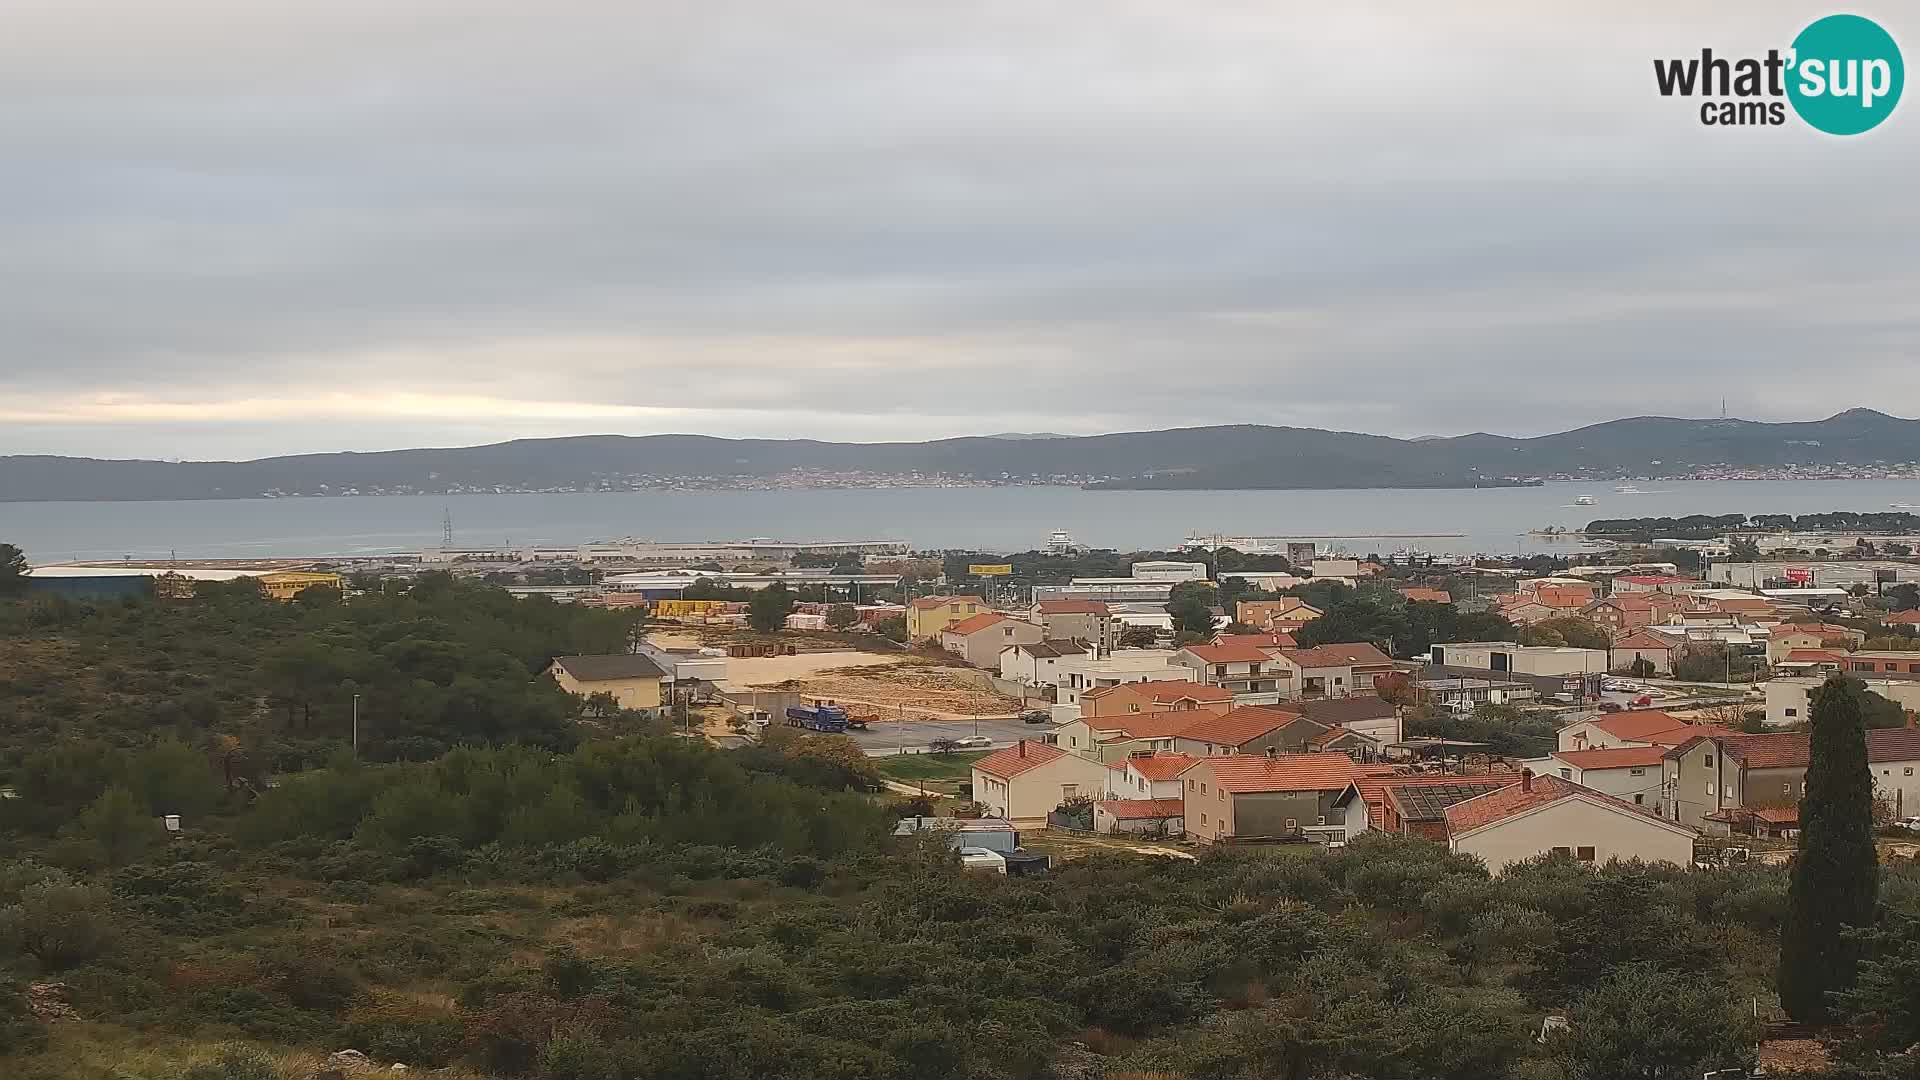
(231, 228)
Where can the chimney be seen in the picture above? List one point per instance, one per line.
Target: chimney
(1526, 779)
(1023, 748)
(1272, 752)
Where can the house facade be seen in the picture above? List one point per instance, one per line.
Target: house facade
(929, 615)
(1637, 645)
(1026, 781)
(1337, 670)
(633, 680)
(1079, 674)
(1038, 663)
(1249, 797)
(1075, 620)
(1538, 815)
(978, 640)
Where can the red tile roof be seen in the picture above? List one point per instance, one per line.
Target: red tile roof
(1903, 618)
(1644, 639)
(1071, 607)
(973, 624)
(1145, 725)
(1637, 723)
(1773, 750)
(1438, 596)
(1374, 789)
(1811, 656)
(1253, 773)
(1636, 757)
(1236, 727)
(1344, 654)
(1521, 796)
(1157, 766)
(926, 603)
(1893, 744)
(1228, 654)
(1144, 809)
(1021, 757)
(1162, 691)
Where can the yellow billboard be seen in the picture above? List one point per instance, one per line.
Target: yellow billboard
(990, 569)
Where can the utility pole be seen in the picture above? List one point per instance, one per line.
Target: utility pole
(356, 727)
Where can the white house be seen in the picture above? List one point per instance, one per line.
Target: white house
(1075, 675)
(1789, 699)
(1037, 663)
(1537, 815)
(1164, 570)
(1153, 775)
(1026, 781)
(1629, 773)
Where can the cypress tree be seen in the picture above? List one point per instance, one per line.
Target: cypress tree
(1837, 875)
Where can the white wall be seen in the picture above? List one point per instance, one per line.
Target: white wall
(1573, 823)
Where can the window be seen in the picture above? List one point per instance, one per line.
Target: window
(1133, 708)
(1908, 771)
(1707, 760)
(1203, 787)
(1293, 823)
(1859, 665)
(1566, 774)
(1068, 791)
(1321, 820)
(1636, 772)
(1190, 785)
(1585, 854)
(1913, 669)
(1223, 794)
(1786, 787)
(1203, 817)
(1563, 851)
(1709, 787)
(1639, 800)
(1793, 712)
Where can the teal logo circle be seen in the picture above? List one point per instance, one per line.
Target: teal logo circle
(1846, 75)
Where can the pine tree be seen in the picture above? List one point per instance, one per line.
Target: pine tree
(1837, 874)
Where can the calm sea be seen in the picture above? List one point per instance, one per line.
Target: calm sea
(1494, 520)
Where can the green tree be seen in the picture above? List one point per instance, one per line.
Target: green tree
(1138, 637)
(1904, 596)
(1569, 631)
(173, 778)
(58, 923)
(1639, 1021)
(769, 608)
(13, 570)
(1836, 875)
(1743, 549)
(842, 616)
(1191, 605)
(117, 828)
(1641, 668)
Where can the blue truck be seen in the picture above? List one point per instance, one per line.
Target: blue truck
(819, 716)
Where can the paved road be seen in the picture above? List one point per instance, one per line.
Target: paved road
(887, 736)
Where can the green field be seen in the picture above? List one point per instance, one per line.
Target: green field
(938, 772)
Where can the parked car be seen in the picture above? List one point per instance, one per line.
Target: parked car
(1609, 706)
(1642, 701)
(1035, 716)
(973, 742)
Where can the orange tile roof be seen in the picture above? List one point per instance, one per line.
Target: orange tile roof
(1023, 756)
(925, 603)
(1254, 773)
(1144, 809)
(1272, 640)
(1644, 639)
(1161, 691)
(1522, 796)
(1812, 656)
(1374, 787)
(1071, 607)
(1228, 654)
(1637, 723)
(1236, 726)
(1771, 750)
(1621, 758)
(1686, 733)
(1159, 765)
(1343, 654)
(1893, 744)
(1903, 618)
(1145, 725)
(973, 624)
(1438, 596)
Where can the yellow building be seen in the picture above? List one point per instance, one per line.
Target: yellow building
(633, 680)
(284, 585)
(929, 615)
(687, 609)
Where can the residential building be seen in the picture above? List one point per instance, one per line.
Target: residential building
(1790, 699)
(1369, 715)
(1270, 639)
(1505, 656)
(1107, 739)
(1538, 815)
(1903, 618)
(1151, 774)
(1075, 620)
(1636, 645)
(1153, 696)
(1140, 817)
(1076, 675)
(1708, 779)
(1028, 780)
(1269, 796)
(1524, 611)
(979, 639)
(1811, 663)
(1636, 727)
(1110, 589)
(1433, 596)
(1625, 612)
(1649, 583)
(1883, 664)
(1285, 615)
(1412, 804)
(1339, 569)
(631, 679)
(1337, 670)
(1632, 774)
(929, 615)
(1788, 637)
(1243, 669)
(1248, 730)
(1037, 663)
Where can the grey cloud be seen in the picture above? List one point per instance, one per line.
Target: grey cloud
(916, 219)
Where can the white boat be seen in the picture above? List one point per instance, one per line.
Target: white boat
(1584, 500)
(1905, 506)
(1628, 489)
(1060, 540)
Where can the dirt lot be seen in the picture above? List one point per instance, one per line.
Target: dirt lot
(899, 688)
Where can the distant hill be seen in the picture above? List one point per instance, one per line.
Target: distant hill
(1237, 456)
